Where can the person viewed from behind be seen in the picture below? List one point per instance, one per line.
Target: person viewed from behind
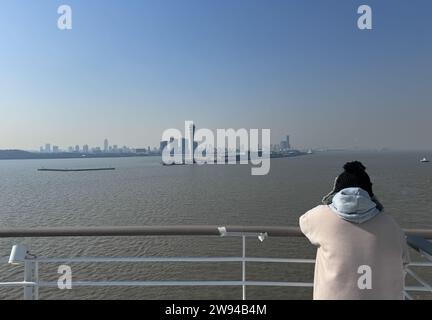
(362, 252)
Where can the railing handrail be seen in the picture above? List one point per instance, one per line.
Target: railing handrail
(177, 230)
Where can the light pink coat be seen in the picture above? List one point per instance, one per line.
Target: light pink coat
(353, 257)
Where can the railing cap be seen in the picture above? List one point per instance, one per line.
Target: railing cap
(178, 230)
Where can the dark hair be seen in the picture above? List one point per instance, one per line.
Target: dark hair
(354, 176)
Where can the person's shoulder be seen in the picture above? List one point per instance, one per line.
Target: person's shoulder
(318, 209)
(390, 220)
(314, 212)
(310, 223)
(388, 217)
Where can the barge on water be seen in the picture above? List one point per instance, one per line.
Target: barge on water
(76, 170)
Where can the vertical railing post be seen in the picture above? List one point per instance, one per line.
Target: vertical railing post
(21, 255)
(36, 279)
(30, 275)
(244, 266)
(261, 237)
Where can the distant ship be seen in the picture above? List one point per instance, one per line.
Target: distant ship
(424, 160)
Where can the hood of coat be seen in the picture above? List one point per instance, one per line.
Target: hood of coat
(354, 205)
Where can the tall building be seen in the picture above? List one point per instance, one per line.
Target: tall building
(285, 144)
(86, 148)
(106, 145)
(192, 144)
(55, 149)
(77, 148)
(174, 145)
(162, 145)
(192, 130)
(48, 148)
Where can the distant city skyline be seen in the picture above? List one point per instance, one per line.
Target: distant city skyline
(86, 148)
(106, 147)
(131, 70)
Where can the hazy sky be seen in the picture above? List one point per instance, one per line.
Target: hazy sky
(130, 69)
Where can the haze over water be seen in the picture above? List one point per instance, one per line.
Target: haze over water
(142, 192)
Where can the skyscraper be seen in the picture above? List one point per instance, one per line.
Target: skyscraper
(192, 145)
(106, 145)
(285, 144)
(48, 148)
(162, 145)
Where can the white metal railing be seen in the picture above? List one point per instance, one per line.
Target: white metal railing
(31, 282)
(424, 247)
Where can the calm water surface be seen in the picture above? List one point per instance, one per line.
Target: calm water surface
(142, 192)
